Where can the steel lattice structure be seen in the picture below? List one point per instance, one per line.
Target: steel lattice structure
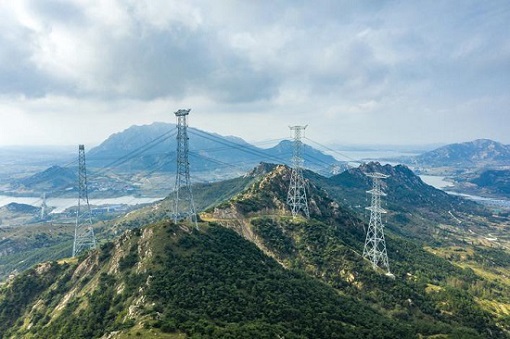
(296, 197)
(375, 244)
(83, 233)
(43, 207)
(184, 206)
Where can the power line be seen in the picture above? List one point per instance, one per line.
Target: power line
(116, 163)
(335, 151)
(138, 151)
(248, 150)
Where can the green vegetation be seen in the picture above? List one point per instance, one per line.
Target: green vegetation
(425, 294)
(23, 247)
(290, 277)
(495, 181)
(231, 289)
(210, 283)
(322, 251)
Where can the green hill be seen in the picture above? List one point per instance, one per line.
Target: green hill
(254, 271)
(415, 209)
(163, 279)
(445, 294)
(494, 181)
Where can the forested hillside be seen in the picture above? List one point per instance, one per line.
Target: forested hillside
(163, 279)
(446, 297)
(252, 270)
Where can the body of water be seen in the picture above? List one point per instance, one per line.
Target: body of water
(484, 200)
(60, 204)
(442, 183)
(436, 181)
(368, 155)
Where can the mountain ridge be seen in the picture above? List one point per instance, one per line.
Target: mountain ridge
(208, 151)
(480, 152)
(188, 271)
(200, 283)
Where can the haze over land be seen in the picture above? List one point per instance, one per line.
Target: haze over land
(358, 73)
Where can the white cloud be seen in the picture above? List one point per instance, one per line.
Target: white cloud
(375, 70)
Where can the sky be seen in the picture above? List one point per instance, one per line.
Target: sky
(356, 72)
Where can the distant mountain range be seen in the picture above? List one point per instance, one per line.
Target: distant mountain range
(153, 148)
(141, 151)
(479, 167)
(479, 153)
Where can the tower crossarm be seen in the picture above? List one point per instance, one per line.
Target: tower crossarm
(377, 175)
(376, 209)
(377, 192)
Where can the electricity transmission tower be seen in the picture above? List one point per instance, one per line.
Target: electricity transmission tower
(375, 245)
(296, 197)
(184, 206)
(43, 207)
(83, 233)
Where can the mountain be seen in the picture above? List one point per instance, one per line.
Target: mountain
(479, 153)
(156, 142)
(17, 214)
(329, 247)
(494, 181)
(312, 157)
(21, 208)
(54, 177)
(142, 160)
(252, 270)
(166, 280)
(153, 148)
(414, 208)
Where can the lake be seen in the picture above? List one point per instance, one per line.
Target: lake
(436, 181)
(442, 183)
(60, 204)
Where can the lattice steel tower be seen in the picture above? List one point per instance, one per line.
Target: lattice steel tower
(375, 245)
(83, 233)
(44, 206)
(184, 206)
(296, 197)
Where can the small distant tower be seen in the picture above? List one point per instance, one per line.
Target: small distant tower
(184, 206)
(83, 233)
(296, 197)
(375, 245)
(43, 206)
